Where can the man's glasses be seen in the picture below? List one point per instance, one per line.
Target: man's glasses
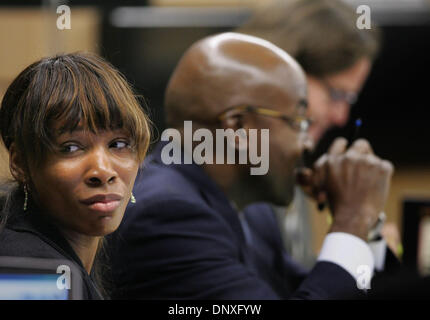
(299, 122)
(339, 95)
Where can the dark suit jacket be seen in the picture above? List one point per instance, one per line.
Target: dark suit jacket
(183, 239)
(31, 235)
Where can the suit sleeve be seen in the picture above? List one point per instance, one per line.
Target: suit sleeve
(176, 249)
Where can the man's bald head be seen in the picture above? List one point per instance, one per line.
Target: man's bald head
(226, 70)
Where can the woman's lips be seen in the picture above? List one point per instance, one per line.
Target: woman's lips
(103, 203)
(108, 206)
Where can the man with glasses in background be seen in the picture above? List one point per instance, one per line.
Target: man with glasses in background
(337, 57)
(190, 235)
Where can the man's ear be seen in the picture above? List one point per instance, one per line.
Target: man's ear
(16, 164)
(238, 124)
(233, 122)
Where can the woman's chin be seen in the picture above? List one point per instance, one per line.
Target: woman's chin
(103, 226)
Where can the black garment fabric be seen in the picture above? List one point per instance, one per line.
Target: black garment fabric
(29, 234)
(183, 239)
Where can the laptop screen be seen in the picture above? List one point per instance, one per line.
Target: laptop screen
(15, 286)
(39, 279)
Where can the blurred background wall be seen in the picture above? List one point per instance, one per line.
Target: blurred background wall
(146, 41)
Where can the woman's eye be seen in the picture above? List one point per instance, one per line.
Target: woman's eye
(70, 148)
(120, 144)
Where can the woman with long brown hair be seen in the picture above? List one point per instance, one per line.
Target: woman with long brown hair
(76, 135)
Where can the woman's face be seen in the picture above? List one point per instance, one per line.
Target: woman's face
(86, 183)
(327, 112)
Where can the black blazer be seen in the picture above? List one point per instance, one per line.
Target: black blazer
(183, 239)
(30, 235)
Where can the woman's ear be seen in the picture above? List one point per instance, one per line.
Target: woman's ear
(16, 164)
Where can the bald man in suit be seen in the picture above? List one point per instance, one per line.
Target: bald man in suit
(195, 231)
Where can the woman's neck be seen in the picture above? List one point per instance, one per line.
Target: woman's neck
(84, 246)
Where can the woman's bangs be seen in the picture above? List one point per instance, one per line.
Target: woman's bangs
(91, 108)
(90, 96)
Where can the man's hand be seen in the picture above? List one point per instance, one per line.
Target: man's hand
(355, 183)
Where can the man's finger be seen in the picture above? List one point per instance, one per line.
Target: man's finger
(338, 146)
(362, 146)
(319, 175)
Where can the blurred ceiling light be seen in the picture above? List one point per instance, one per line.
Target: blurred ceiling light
(141, 17)
(211, 3)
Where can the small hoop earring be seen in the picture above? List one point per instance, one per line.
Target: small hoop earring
(25, 197)
(132, 198)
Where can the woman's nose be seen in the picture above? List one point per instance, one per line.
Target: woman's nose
(100, 168)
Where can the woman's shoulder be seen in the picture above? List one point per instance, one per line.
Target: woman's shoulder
(25, 244)
(29, 234)
(17, 243)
